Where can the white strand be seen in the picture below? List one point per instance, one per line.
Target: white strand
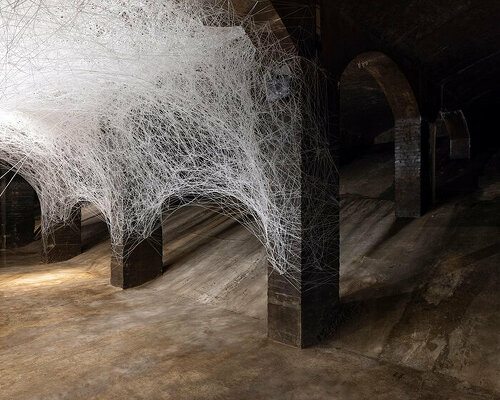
(126, 104)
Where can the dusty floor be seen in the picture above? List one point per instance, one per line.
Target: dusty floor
(421, 308)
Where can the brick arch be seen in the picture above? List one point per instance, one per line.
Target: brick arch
(457, 129)
(408, 126)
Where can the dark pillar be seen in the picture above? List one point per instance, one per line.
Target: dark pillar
(302, 310)
(457, 128)
(432, 160)
(301, 313)
(411, 165)
(134, 264)
(64, 241)
(17, 211)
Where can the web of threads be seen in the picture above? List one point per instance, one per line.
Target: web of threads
(142, 106)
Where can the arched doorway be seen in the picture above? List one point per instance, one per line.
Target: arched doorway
(19, 217)
(22, 239)
(396, 95)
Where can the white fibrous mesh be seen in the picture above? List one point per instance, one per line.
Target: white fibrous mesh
(137, 105)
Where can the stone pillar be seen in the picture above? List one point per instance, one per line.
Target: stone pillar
(302, 313)
(432, 161)
(410, 171)
(65, 240)
(457, 128)
(302, 310)
(134, 264)
(17, 211)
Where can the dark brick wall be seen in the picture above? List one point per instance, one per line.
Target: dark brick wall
(64, 241)
(302, 307)
(135, 264)
(283, 309)
(17, 211)
(409, 163)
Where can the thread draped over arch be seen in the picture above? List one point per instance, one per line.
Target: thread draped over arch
(125, 103)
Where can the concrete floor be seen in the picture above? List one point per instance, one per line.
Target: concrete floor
(421, 311)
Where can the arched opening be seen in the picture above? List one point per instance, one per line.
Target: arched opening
(366, 136)
(19, 219)
(24, 243)
(381, 164)
(379, 108)
(197, 248)
(210, 256)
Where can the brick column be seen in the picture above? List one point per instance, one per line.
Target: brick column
(134, 264)
(64, 241)
(410, 171)
(302, 311)
(301, 314)
(17, 211)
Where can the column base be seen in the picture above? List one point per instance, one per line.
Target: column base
(133, 266)
(300, 317)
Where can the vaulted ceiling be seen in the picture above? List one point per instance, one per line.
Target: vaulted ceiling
(455, 43)
(452, 44)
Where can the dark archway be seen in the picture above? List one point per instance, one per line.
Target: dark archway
(18, 209)
(408, 171)
(19, 219)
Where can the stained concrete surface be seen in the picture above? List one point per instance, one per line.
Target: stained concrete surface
(420, 312)
(424, 293)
